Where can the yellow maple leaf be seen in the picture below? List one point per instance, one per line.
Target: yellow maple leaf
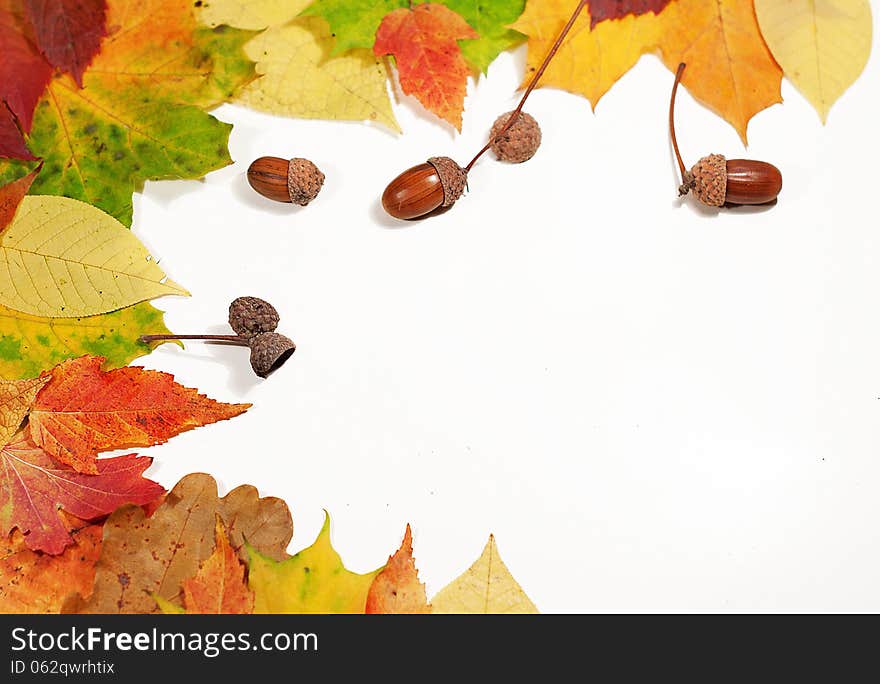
(485, 587)
(250, 14)
(312, 581)
(730, 69)
(821, 45)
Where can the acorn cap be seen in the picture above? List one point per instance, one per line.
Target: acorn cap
(708, 180)
(304, 181)
(453, 178)
(520, 142)
(269, 351)
(249, 316)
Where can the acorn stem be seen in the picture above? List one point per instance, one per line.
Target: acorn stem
(681, 165)
(514, 115)
(235, 339)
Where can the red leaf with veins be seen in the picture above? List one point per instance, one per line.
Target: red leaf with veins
(24, 72)
(601, 10)
(12, 145)
(68, 32)
(33, 487)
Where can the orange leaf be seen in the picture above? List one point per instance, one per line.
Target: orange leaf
(219, 587)
(397, 588)
(33, 582)
(429, 61)
(11, 195)
(85, 410)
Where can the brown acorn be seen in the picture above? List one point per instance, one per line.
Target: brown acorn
(717, 181)
(269, 351)
(250, 316)
(419, 190)
(294, 180)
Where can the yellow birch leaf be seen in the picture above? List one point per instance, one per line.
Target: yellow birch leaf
(64, 258)
(589, 61)
(730, 69)
(250, 14)
(312, 581)
(16, 397)
(821, 45)
(485, 587)
(298, 76)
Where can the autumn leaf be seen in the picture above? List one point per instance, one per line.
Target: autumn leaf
(84, 411)
(486, 587)
(68, 32)
(31, 344)
(312, 581)
(602, 10)
(299, 75)
(730, 69)
(143, 558)
(429, 62)
(12, 143)
(219, 587)
(397, 588)
(33, 486)
(11, 195)
(355, 22)
(62, 257)
(251, 14)
(34, 582)
(16, 397)
(821, 45)
(264, 522)
(139, 114)
(24, 73)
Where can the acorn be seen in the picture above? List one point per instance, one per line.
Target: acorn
(518, 142)
(269, 351)
(295, 180)
(717, 181)
(419, 190)
(250, 316)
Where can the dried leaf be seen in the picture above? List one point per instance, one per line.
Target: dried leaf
(265, 523)
(429, 62)
(16, 397)
(33, 582)
(84, 411)
(485, 587)
(31, 344)
(821, 45)
(312, 581)
(145, 559)
(219, 587)
(61, 257)
(397, 588)
(33, 487)
(68, 32)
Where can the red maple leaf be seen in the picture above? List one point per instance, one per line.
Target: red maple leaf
(12, 143)
(24, 72)
(33, 487)
(68, 32)
(431, 67)
(601, 10)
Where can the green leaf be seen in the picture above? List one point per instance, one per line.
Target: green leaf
(490, 19)
(31, 344)
(353, 22)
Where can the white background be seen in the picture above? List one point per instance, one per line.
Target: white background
(653, 406)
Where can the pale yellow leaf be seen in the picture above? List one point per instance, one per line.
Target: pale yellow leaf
(485, 587)
(821, 45)
(298, 77)
(64, 258)
(250, 14)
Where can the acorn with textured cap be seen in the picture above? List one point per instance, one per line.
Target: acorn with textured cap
(254, 321)
(518, 142)
(294, 180)
(717, 181)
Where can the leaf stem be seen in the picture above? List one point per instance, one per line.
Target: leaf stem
(234, 339)
(533, 83)
(681, 165)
